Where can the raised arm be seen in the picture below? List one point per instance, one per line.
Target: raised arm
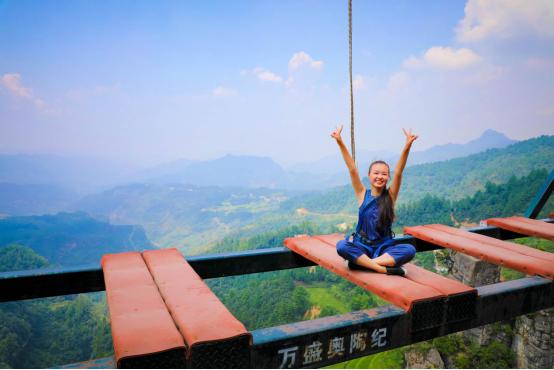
(394, 188)
(359, 188)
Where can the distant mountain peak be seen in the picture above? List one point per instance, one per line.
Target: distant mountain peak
(490, 131)
(493, 134)
(490, 139)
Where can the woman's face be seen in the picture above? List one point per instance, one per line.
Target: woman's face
(379, 175)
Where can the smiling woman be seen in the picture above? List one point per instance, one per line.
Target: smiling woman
(372, 246)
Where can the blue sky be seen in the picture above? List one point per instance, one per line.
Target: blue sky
(146, 82)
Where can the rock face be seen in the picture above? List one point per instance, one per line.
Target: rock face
(501, 332)
(472, 271)
(421, 359)
(533, 340)
(530, 337)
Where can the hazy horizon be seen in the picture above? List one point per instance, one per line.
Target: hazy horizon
(144, 83)
(285, 164)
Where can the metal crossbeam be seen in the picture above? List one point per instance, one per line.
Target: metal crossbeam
(328, 340)
(333, 339)
(18, 285)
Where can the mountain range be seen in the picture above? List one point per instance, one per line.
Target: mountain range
(84, 175)
(189, 216)
(453, 179)
(249, 171)
(334, 164)
(193, 217)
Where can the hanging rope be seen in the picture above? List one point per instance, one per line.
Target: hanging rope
(352, 142)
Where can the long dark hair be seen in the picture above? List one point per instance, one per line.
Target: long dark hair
(386, 209)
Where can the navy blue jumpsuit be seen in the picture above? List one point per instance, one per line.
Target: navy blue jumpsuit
(368, 217)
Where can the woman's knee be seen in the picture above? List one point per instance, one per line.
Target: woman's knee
(402, 253)
(342, 248)
(410, 252)
(348, 250)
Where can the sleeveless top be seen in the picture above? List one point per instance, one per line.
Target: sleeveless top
(368, 218)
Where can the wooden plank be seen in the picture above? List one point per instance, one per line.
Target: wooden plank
(141, 325)
(514, 247)
(524, 226)
(417, 274)
(487, 252)
(200, 316)
(399, 291)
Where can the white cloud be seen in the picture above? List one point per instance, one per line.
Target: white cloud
(397, 82)
(266, 75)
(302, 58)
(289, 81)
(444, 58)
(413, 62)
(269, 76)
(506, 19)
(12, 82)
(486, 75)
(297, 61)
(222, 92)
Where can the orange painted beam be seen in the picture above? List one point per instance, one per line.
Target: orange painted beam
(525, 226)
(514, 247)
(398, 290)
(140, 322)
(486, 252)
(196, 310)
(417, 274)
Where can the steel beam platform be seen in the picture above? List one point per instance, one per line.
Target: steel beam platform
(18, 285)
(329, 340)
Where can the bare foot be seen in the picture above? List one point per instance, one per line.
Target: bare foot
(367, 262)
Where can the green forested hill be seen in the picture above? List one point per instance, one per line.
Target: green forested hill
(194, 219)
(43, 333)
(71, 238)
(510, 198)
(496, 200)
(461, 177)
(184, 216)
(453, 179)
(16, 257)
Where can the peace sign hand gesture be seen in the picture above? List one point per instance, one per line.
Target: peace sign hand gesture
(410, 138)
(336, 134)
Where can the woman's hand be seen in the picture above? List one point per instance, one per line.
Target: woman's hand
(357, 184)
(394, 188)
(336, 134)
(410, 138)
